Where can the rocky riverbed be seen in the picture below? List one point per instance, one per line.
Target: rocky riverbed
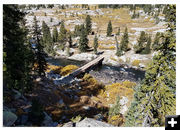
(111, 74)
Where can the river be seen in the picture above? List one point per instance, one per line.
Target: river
(106, 74)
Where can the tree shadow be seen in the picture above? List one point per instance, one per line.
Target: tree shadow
(83, 105)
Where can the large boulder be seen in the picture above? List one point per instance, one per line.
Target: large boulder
(89, 122)
(69, 124)
(9, 118)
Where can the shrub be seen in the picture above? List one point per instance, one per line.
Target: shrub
(107, 48)
(116, 120)
(90, 86)
(136, 63)
(115, 89)
(68, 69)
(54, 68)
(129, 84)
(76, 119)
(87, 77)
(112, 58)
(90, 80)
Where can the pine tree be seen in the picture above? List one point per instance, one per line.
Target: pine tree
(118, 48)
(141, 41)
(68, 51)
(55, 35)
(125, 40)
(134, 15)
(17, 55)
(47, 39)
(88, 24)
(156, 41)
(69, 39)
(95, 44)
(109, 29)
(62, 34)
(78, 29)
(118, 32)
(50, 6)
(51, 19)
(165, 9)
(40, 55)
(155, 97)
(167, 14)
(83, 42)
(147, 49)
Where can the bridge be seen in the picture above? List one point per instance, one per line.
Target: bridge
(87, 67)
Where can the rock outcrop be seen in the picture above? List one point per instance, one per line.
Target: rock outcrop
(88, 122)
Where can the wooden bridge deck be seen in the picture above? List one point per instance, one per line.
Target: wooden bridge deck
(88, 65)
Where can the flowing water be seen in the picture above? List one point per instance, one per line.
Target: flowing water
(106, 74)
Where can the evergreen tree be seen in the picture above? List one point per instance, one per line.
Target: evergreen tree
(147, 49)
(157, 20)
(118, 33)
(156, 41)
(55, 35)
(125, 40)
(155, 97)
(78, 29)
(109, 29)
(40, 55)
(88, 24)
(95, 44)
(62, 34)
(69, 38)
(134, 15)
(17, 55)
(83, 42)
(118, 48)
(50, 6)
(142, 39)
(167, 14)
(51, 19)
(165, 9)
(68, 51)
(47, 39)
